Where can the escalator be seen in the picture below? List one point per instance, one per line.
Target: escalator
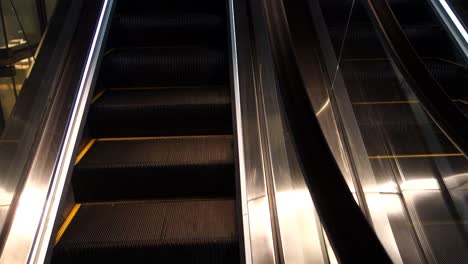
(415, 164)
(155, 178)
(378, 96)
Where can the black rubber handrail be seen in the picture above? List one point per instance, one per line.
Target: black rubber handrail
(349, 232)
(430, 93)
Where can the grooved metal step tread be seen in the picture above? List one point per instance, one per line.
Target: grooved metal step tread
(406, 11)
(175, 230)
(362, 41)
(167, 29)
(159, 152)
(375, 80)
(157, 66)
(163, 111)
(156, 168)
(173, 6)
(406, 128)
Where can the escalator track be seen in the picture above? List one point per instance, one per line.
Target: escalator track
(388, 112)
(405, 145)
(156, 180)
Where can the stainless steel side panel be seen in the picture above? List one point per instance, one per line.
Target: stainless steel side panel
(29, 238)
(256, 214)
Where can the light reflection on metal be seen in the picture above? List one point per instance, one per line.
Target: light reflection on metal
(300, 228)
(358, 171)
(300, 233)
(459, 32)
(327, 103)
(256, 214)
(240, 137)
(36, 210)
(378, 207)
(420, 184)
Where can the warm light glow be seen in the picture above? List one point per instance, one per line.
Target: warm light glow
(327, 103)
(419, 185)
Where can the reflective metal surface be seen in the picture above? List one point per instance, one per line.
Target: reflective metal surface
(410, 175)
(301, 238)
(29, 237)
(256, 214)
(453, 23)
(344, 136)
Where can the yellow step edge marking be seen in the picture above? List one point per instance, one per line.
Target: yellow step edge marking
(160, 88)
(116, 202)
(461, 101)
(97, 96)
(67, 222)
(85, 149)
(150, 138)
(401, 102)
(416, 156)
(386, 102)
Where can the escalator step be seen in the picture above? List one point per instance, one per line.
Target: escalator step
(154, 168)
(375, 80)
(162, 111)
(176, 29)
(172, 6)
(175, 66)
(362, 41)
(407, 11)
(450, 168)
(401, 129)
(176, 231)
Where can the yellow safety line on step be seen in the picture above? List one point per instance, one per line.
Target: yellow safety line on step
(85, 149)
(461, 101)
(401, 102)
(152, 138)
(67, 222)
(97, 96)
(159, 88)
(385, 102)
(416, 156)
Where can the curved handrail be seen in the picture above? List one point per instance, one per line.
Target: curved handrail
(430, 93)
(351, 236)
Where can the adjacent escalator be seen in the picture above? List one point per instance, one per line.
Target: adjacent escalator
(412, 161)
(155, 179)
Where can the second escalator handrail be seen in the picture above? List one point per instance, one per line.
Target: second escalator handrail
(350, 234)
(430, 93)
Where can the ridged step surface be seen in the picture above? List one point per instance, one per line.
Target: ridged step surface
(375, 80)
(162, 111)
(175, 231)
(164, 66)
(168, 29)
(172, 167)
(407, 11)
(171, 7)
(362, 41)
